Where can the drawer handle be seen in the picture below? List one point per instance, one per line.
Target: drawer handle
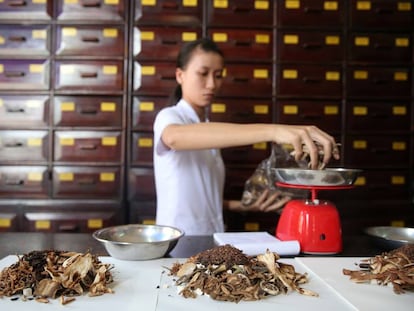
(382, 47)
(91, 4)
(15, 110)
(13, 145)
(380, 81)
(170, 5)
(89, 111)
(241, 9)
(88, 75)
(242, 43)
(12, 182)
(86, 181)
(90, 39)
(17, 38)
(310, 116)
(311, 46)
(379, 150)
(167, 78)
(17, 3)
(88, 147)
(380, 115)
(68, 228)
(384, 11)
(311, 80)
(312, 10)
(241, 80)
(169, 42)
(14, 74)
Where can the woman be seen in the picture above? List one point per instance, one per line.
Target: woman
(189, 170)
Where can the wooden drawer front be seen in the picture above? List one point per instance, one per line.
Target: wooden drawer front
(252, 154)
(24, 182)
(141, 184)
(237, 12)
(392, 116)
(310, 13)
(309, 46)
(144, 110)
(100, 10)
(309, 80)
(380, 47)
(154, 78)
(25, 10)
(85, 146)
(385, 14)
(327, 115)
(143, 213)
(24, 111)
(241, 110)
(167, 12)
(90, 40)
(9, 219)
(27, 146)
(86, 182)
(89, 76)
(24, 74)
(384, 184)
(247, 80)
(69, 220)
(161, 43)
(377, 151)
(244, 45)
(88, 111)
(142, 148)
(378, 82)
(16, 40)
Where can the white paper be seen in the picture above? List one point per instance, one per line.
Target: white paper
(254, 243)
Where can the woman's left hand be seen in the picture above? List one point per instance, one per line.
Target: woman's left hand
(266, 202)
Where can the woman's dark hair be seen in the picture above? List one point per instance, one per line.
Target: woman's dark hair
(184, 57)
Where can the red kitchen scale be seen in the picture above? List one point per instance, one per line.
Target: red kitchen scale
(313, 222)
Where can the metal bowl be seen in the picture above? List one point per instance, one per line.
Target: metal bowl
(138, 242)
(306, 177)
(391, 238)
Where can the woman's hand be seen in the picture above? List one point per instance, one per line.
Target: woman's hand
(266, 202)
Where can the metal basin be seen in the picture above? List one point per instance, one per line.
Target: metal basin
(391, 237)
(138, 242)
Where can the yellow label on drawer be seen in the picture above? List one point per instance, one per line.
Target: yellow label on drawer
(360, 181)
(34, 142)
(290, 39)
(260, 73)
(292, 4)
(36, 68)
(402, 42)
(112, 2)
(34, 176)
(39, 34)
(404, 6)
(1, 102)
(189, 3)
(399, 110)
(361, 41)
(147, 35)
(360, 110)
(332, 76)
(218, 108)
(224, 73)
(108, 141)
(67, 106)
(148, 70)
(188, 36)
(400, 76)
(66, 177)
(399, 146)
(67, 69)
(146, 106)
(69, 31)
(290, 74)
(5, 223)
(260, 146)
(38, 1)
(95, 223)
(1, 68)
(145, 142)
(363, 5)
(107, 177)
(2, 40)
(290, 109)
(331, 110)
(330, 5)
(33, 103)
(360, 75)
(359, 144)
(397, 180)
(148, 222)
(261, 5)
(42, 224)
(70, 1)
(261, 109)
(66, 141)
(262, 38)
(251, 226)
(397, 223)
(110, 70)
(219, 37)
(108, 106)
(110, 32)
(332, 40)
(220, 4)
(149, 2)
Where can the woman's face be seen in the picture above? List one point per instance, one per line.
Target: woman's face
(201, 78)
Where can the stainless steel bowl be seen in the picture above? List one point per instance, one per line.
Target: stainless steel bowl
(391, 237)
(138, 242)
(307, 177)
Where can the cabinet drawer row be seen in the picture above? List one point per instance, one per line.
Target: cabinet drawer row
(68, 146)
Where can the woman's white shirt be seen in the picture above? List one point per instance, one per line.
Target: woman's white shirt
(190, 183)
